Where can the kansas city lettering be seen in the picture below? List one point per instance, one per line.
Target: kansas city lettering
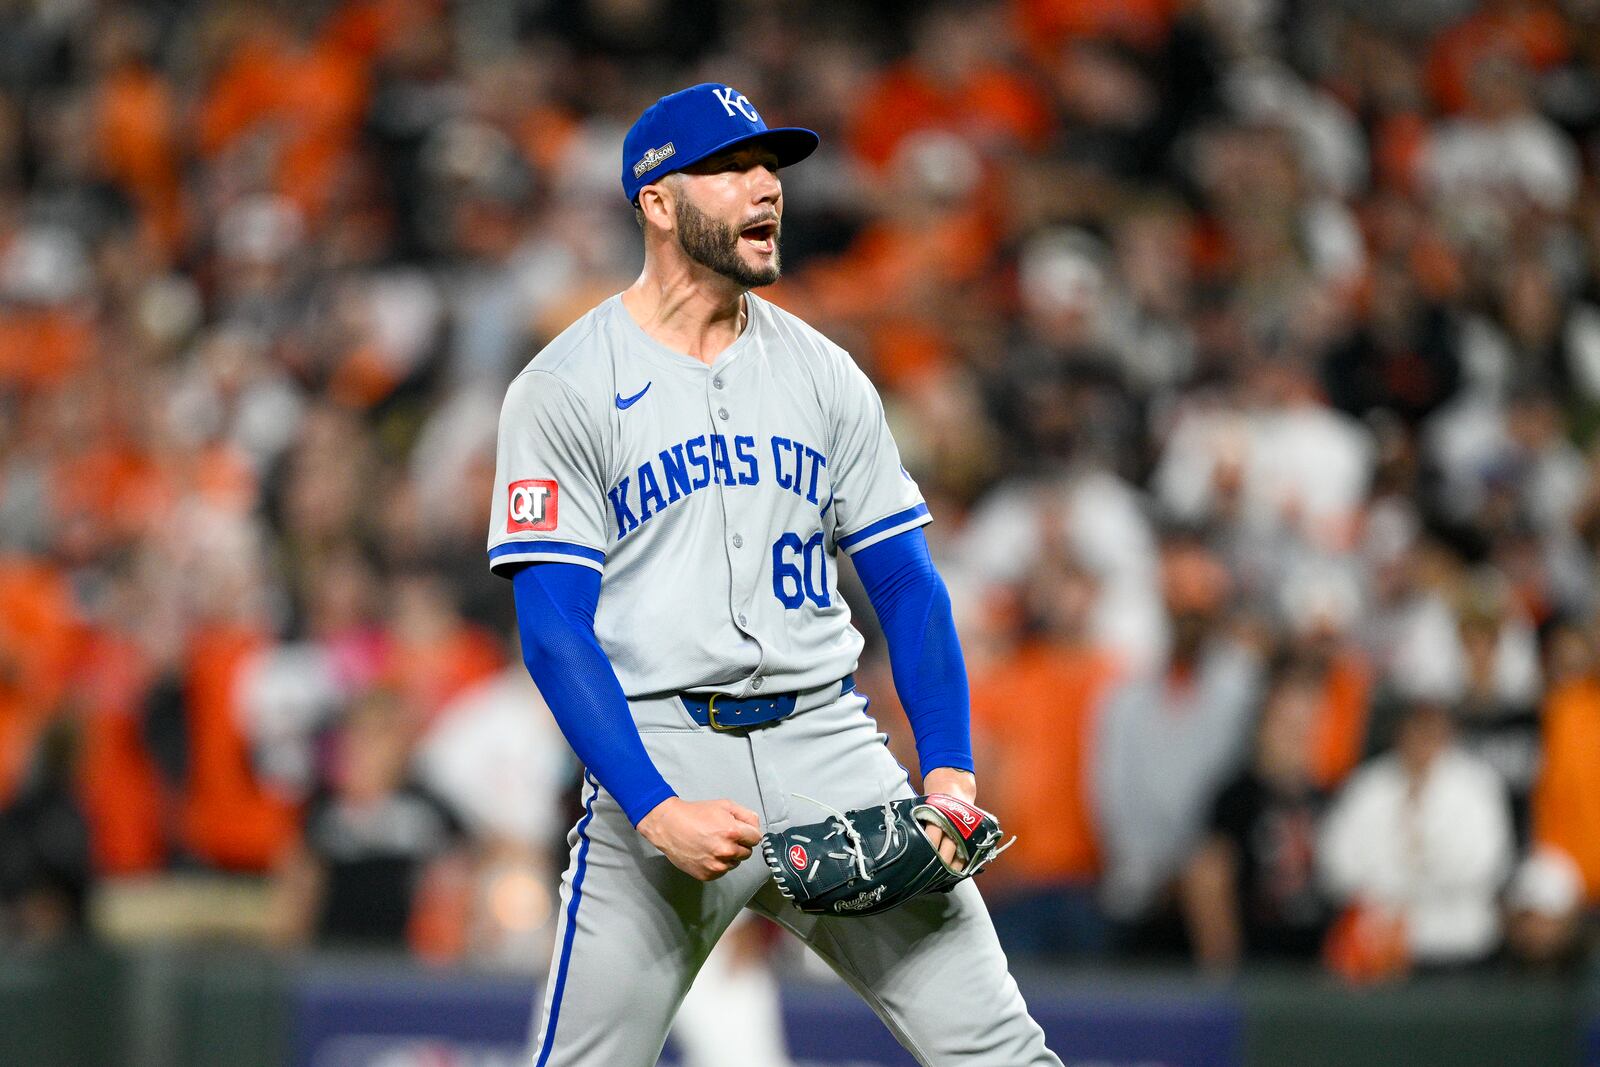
(712, 459)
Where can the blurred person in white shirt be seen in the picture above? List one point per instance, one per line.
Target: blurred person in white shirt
(1422, 835)
(1271, 458)
(1502, 157)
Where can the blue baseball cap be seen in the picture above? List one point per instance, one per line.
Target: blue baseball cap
(685, 127)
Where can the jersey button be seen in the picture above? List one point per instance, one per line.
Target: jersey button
(738, 541)
(717, 382)
(742, 619)
(757, 683)
(722, 413)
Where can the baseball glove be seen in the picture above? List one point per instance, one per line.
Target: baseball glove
(873, 859)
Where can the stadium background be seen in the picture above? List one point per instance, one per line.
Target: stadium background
(1248, 352)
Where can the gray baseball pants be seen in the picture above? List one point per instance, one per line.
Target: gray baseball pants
(634, 930)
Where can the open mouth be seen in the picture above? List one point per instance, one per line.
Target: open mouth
(763, 236)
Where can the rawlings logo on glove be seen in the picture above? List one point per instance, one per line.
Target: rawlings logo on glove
(873, 859)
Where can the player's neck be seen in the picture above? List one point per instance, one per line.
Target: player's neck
(687, 308)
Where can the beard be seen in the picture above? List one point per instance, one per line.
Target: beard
(715, 246)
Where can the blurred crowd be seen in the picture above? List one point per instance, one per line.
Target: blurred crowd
(1247, 351)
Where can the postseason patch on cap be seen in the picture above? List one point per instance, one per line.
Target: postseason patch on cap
(653, 159)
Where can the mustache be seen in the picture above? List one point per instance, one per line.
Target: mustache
(761, 220)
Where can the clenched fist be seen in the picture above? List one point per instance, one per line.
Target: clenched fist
(704, 839)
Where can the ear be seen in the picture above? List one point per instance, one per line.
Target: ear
(656, 201)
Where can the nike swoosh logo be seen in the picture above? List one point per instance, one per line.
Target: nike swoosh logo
(625, 404)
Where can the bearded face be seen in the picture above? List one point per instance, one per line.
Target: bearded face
(747, 255)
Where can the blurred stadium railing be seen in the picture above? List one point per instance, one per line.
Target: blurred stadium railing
(167, 1007)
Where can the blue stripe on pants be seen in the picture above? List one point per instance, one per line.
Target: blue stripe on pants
(572, 925)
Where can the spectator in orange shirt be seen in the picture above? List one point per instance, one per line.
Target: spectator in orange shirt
(303, 98)
(1033, 712)
(39, 643)
(1321, 608)
(1047, 24)
(46, 317)
(131, 663)
(229, 820)
(938, 232)
(434, 654)
(1558, 882)
(953, 81)
(137, 125)
(1528, 31)
(1566, 801)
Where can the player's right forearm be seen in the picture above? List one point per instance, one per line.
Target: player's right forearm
(555, 618)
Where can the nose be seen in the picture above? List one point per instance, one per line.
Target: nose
(765, 188)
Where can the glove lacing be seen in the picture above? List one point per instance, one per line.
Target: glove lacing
(855, 849)
(890, 824)
(987, 858)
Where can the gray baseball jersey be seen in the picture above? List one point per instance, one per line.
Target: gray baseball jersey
(713, 498)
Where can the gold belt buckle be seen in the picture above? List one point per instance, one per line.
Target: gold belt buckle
(711, 714)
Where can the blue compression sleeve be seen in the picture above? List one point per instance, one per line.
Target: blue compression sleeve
(913, 608)
(555, 617)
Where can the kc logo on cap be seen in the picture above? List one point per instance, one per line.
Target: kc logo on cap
(731, 98)
(689, 125)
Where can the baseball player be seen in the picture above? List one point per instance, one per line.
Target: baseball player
(677, 473)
